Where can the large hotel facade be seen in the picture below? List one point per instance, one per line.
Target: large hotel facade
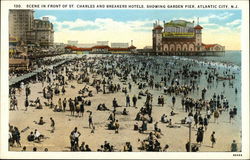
(181, 37)
(42, 33)
(20, 21)
(29, 31)
(27, 35)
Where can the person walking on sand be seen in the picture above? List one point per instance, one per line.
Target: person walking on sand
(127, 101)
(213, 139)
(200, 134)
(234, 147)
(52, 125)
(16, 137)
(15, 105)
(77, 107)
(162, 101)
(235, 110)
(63, 90)
(159, 100)
(129, 87)
(231, 115)
(71, 107)
(90, 120)
(173, 100)
(115, 103)
(64, 104)
(205, 123)
(60, 104)
(208, 114)
(75, 138)
(26, 103)
(82, 108)
(116, 126)
(196, 119)
(134, 99)
(216, 116)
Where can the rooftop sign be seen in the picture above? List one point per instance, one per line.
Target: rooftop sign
(178, 34)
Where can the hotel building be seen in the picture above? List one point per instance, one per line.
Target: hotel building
(181, 37)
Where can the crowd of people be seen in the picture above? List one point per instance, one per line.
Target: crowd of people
(141, 80)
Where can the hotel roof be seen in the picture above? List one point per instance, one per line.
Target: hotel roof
(73, 48)
(198, 27)
(158, 27)
(119, 49)
(101, 47)
(208, 45)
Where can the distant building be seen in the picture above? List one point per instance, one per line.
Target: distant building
(180, 36)
(212, 47)
(59, 46)
(20, 21)
(42, 33)
(102, 43)
(85, 45)
(73, 43)
(148, 47)
(98, 49)
(119, 45)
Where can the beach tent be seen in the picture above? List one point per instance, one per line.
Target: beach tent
(23, 77)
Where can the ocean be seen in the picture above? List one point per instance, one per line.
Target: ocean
(233, 57)
(230, 57)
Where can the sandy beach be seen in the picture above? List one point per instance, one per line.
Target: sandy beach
(176, 138)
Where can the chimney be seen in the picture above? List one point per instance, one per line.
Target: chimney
(45, 18)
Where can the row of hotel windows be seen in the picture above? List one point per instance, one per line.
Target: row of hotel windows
(188, 48)
(179, 49)
(21, 19)
(179, 29)
(22, 15)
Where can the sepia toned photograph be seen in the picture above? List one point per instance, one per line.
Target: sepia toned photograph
(125, 80)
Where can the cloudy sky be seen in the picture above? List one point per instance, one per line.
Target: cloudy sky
(89, 26)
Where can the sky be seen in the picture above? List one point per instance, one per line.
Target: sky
(120, 25)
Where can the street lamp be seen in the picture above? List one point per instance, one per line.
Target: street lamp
(189, 121)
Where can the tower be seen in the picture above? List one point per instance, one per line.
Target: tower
(198, 36)
(20, 21)
(157, 37)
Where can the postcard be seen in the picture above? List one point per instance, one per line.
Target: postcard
(95, 79)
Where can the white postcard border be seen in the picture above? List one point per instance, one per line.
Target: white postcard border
(6, 5)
